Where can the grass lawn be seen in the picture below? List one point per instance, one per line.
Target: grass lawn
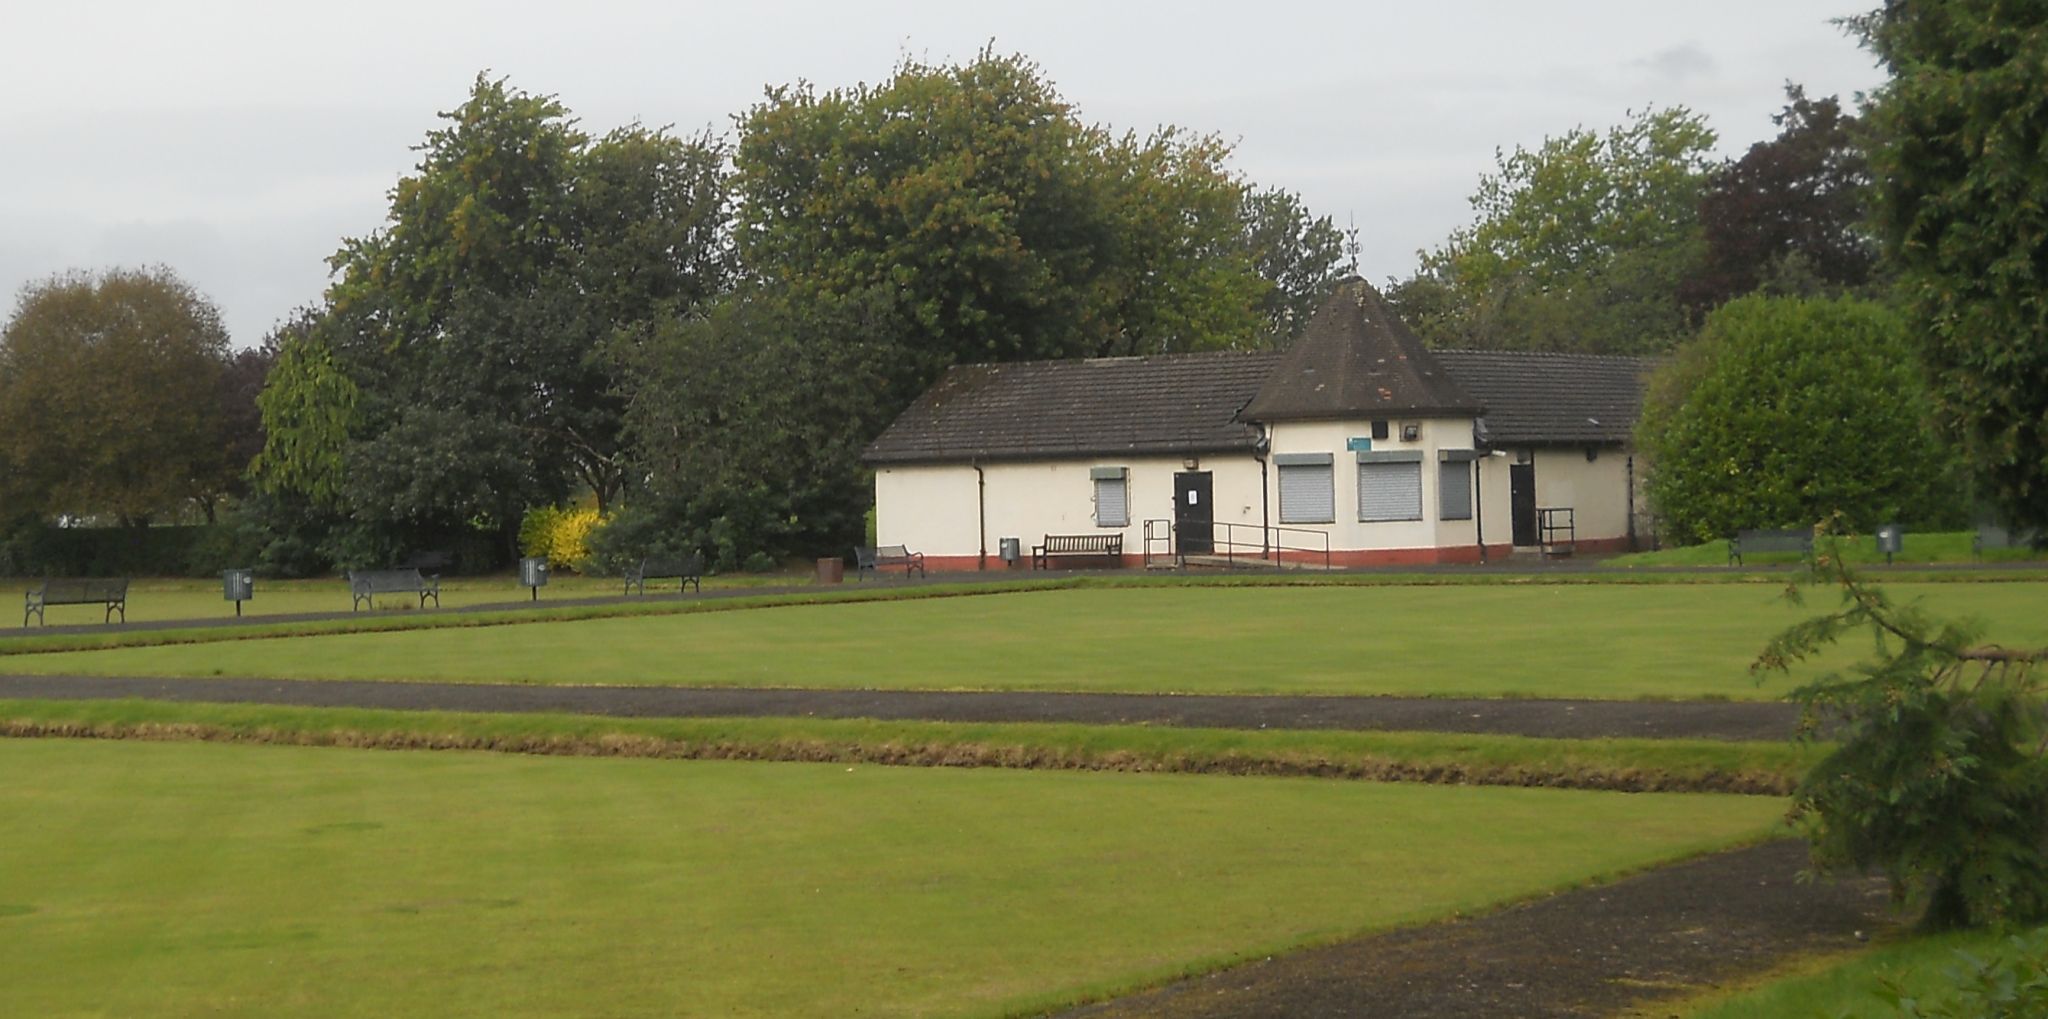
(1929, 547)
(1846, 987)
(1601, 641)
(159, 599)
(184, 878)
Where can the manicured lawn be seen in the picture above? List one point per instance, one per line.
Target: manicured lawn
(1846, 988)
(1928, 547)
(1600, 641)
(156, 600)
(184, 878)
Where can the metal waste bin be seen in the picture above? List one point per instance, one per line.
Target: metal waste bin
(831, 570)
(1891, 539)
(1010, 549)
(238, 586)
(533, 574)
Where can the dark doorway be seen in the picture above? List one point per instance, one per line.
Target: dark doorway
(1194, 519)
(1522, 501)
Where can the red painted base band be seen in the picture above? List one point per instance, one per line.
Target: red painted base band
(1363, 557)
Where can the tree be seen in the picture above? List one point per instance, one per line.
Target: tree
(1009, 229)
(1795, 198)
(1937, 778)
(110, 396)
(458, 372)
(747, 423)
(1300, 254)
(1582, 244)
(1786, 411)
(1957, 135)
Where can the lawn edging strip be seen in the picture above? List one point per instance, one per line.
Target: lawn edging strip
(1622, 765)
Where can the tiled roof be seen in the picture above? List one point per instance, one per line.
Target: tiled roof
(1552, 398)
(1122, 406)
(1357, 359)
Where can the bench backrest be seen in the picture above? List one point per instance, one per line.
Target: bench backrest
(384, 581)
(864, 557)
(83, 590)
(892, 552)
(1995, 536)
(672, 566)
(1775, 541)
(1104, 543)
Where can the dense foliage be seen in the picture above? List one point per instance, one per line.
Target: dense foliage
(458, 372)
(1958, 135)
(1785, 411)
(116, 399)
(1938, 778)
(1582, 244)
(1787, 215)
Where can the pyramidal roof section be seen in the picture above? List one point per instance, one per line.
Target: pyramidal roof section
(1357, 359)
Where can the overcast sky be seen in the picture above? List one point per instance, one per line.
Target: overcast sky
(238, 143)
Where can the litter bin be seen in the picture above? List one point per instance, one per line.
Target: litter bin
(238, 586)
(831, 570)
(533, 574)
(1011, 550)
(1891, 539)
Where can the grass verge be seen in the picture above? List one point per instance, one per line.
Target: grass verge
(187, 878)
(1588, 641)
(1629, 765)
(1846, 986)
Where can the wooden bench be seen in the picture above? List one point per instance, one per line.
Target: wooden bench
(1768, 541)
(687, 570)
(871, 560)
(365, 585)
(1067, 545)
(113, 593)
(1994, 536)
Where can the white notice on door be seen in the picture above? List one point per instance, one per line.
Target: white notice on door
(1194, 497)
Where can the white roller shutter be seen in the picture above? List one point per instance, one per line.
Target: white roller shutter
(1112, 502)
(1308, 494)
(1390, 491)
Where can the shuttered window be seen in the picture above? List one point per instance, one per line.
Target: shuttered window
(1112, 497)
(1390, 490)
(1308, 491)
(1454, 490)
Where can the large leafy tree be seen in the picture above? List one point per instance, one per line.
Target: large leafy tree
(1301, 254)
(458, 372)
(1787, 411)
(1790, 207)
(747, 428)
(1580, 244)
(1007, 227)
(111, 397)
(1958, 135)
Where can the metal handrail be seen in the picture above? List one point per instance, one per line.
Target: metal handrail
(1272, 541)
(1550, 521)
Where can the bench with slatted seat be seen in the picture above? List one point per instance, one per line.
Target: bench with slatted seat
(365, 585)
(1993, 536)
(1768, 541)
(872, 559)
(110, 592)
(686, 570)
(1061, 546)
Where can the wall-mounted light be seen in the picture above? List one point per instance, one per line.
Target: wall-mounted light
(1410, 431)
(1191, 462)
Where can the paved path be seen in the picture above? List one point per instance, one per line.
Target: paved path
(1609, 950)
(1576, 719)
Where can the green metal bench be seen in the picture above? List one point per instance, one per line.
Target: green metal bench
(112, 593)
